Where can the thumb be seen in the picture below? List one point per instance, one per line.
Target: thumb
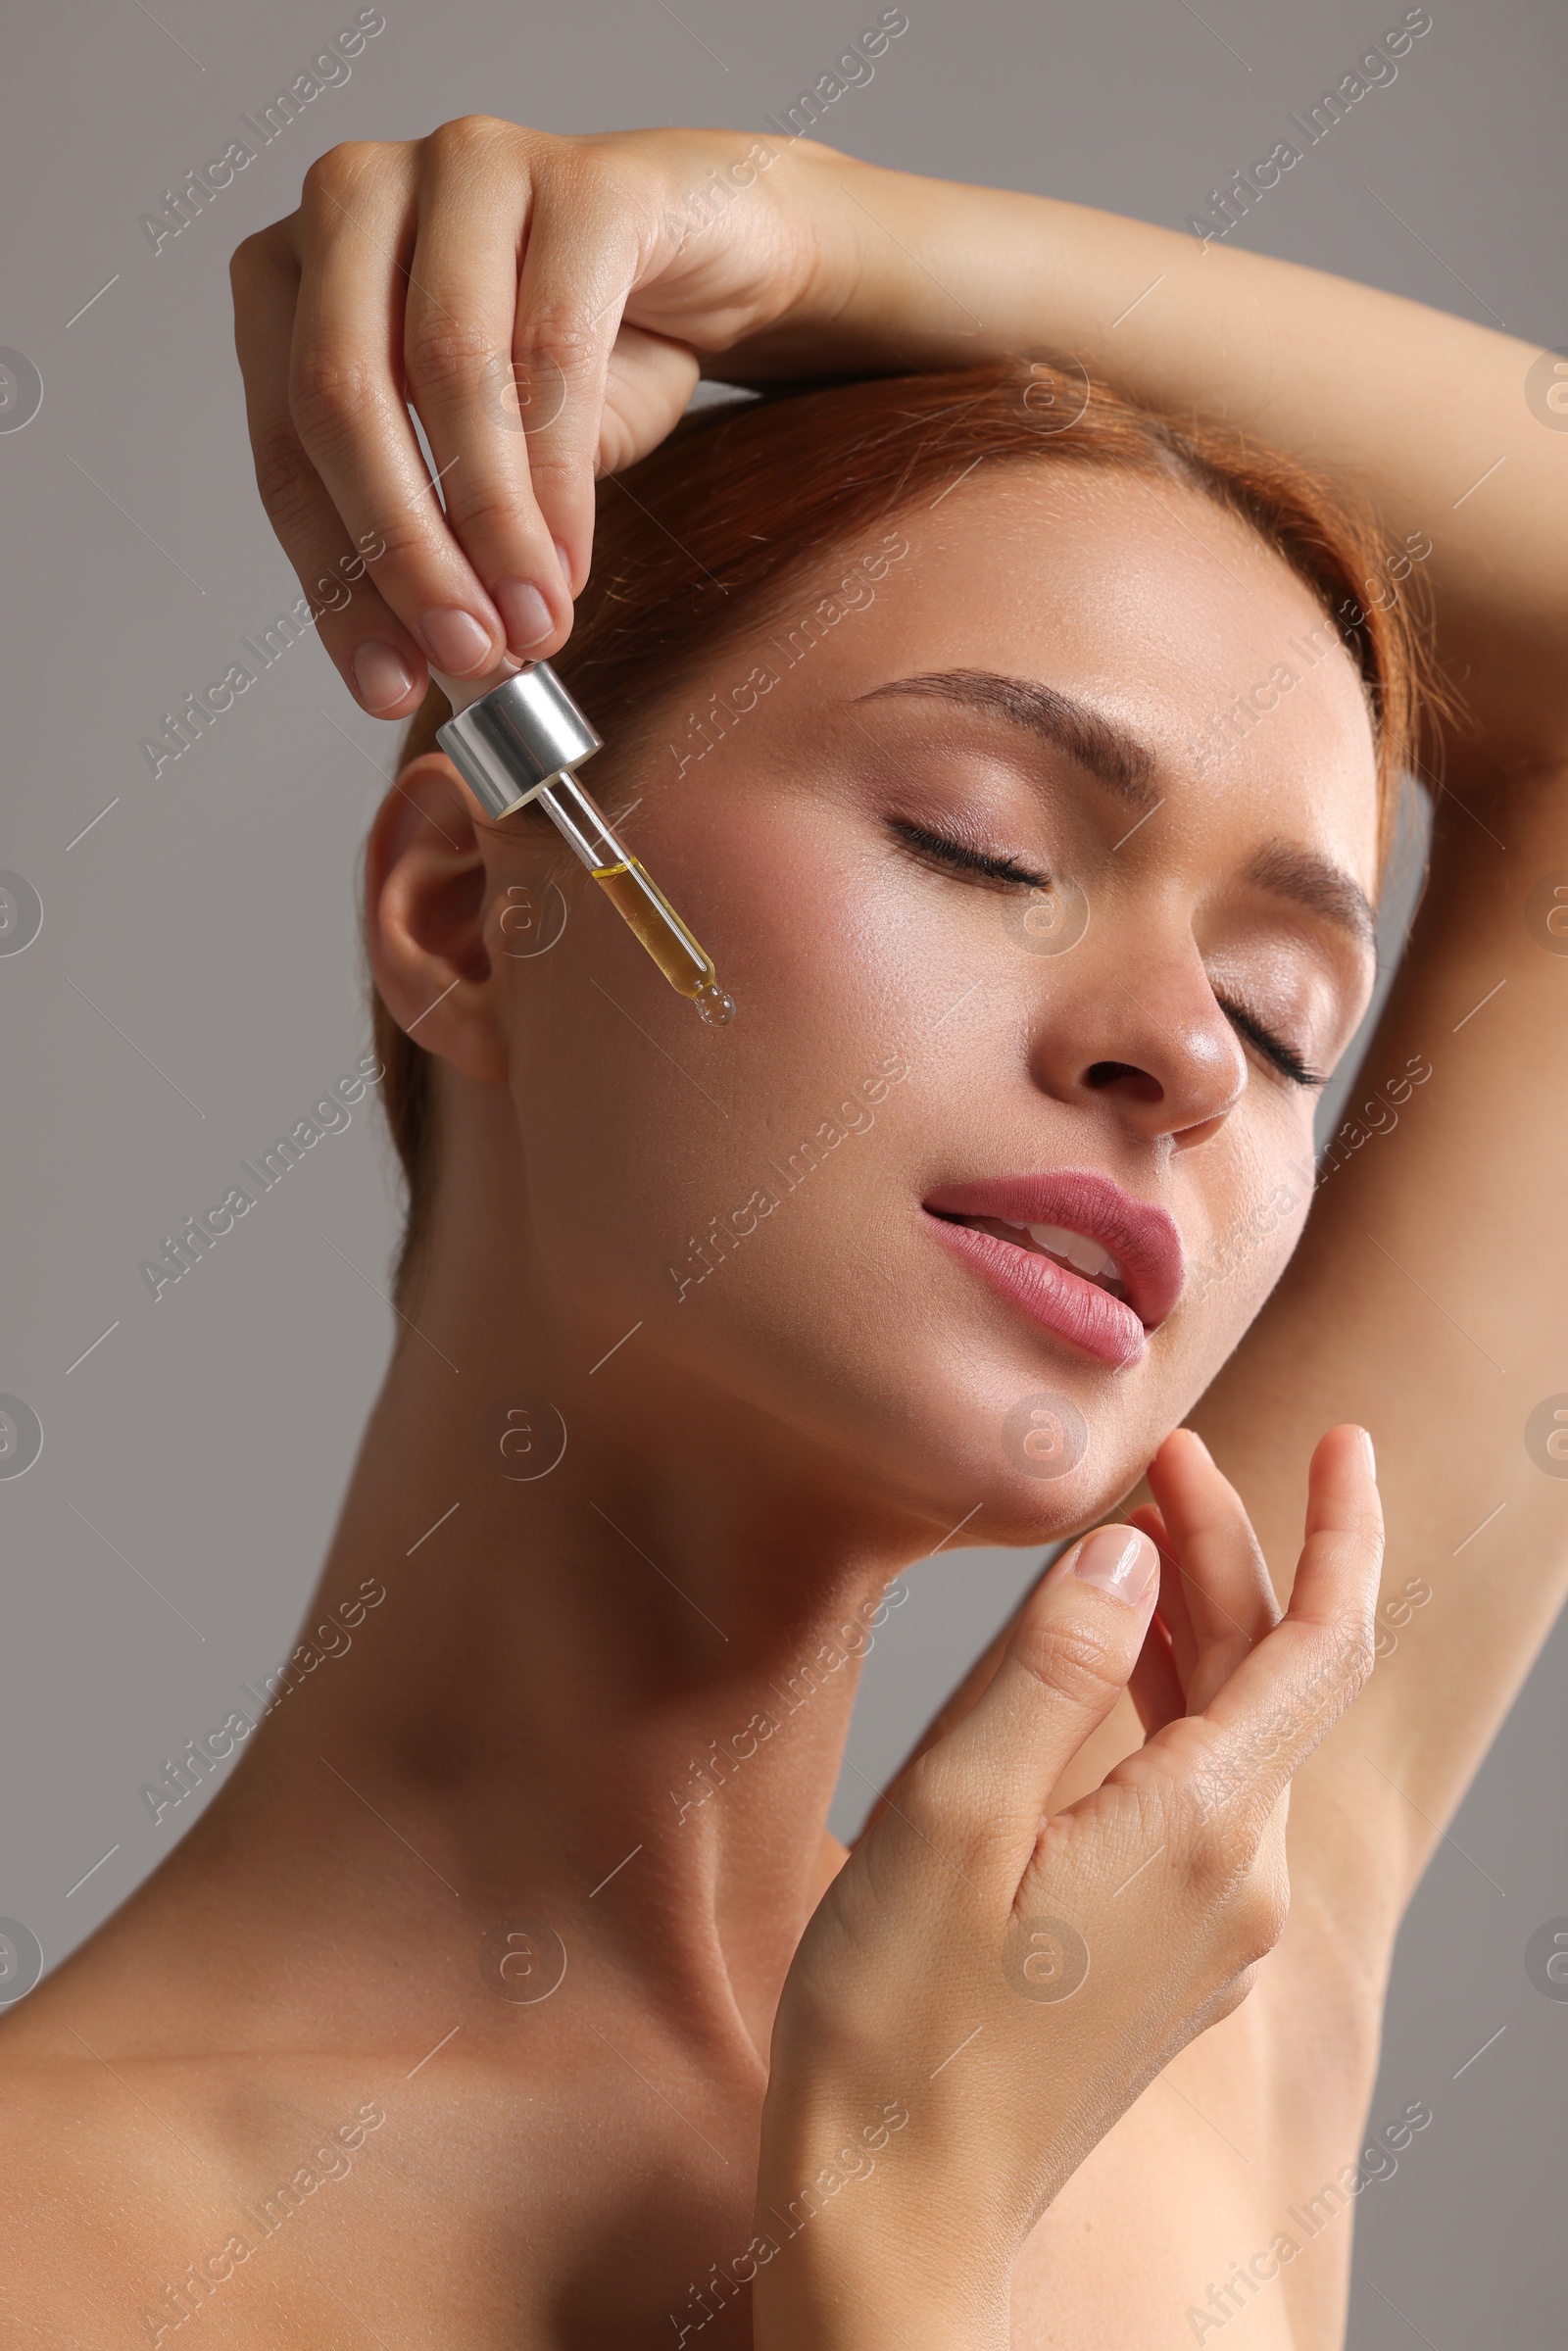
(1070, 1657)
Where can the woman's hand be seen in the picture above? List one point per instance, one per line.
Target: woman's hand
(983, 1990)
(543, 303)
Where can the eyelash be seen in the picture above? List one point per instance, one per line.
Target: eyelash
(960, 856)
(1273, 1049)
(965, 858)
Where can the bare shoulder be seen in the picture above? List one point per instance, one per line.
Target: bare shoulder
(439, 2175)
(136, 2192)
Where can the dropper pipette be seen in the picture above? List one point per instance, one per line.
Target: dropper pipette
(522, 741)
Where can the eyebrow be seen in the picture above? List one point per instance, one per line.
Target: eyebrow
(1108, 751)
(1124, 763)
(1314, 882)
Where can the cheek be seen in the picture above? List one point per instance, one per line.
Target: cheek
(1256, 1216)
(641, 1126)
(823, 926)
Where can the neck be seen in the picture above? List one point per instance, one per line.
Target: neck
(611, 1677)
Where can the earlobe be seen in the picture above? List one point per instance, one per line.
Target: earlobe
(426, 886)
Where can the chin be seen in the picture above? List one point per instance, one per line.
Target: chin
(1041, 1452)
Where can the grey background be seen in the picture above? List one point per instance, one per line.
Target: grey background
(195, 985)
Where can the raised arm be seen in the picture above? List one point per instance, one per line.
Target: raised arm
(503, 278)
(1429, 419)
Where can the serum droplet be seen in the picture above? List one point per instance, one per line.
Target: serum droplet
(714, 1005)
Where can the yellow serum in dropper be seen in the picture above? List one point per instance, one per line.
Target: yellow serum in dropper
(640, 902)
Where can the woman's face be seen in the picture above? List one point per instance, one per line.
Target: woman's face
(1028, 966)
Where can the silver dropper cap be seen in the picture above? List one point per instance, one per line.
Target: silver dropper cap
(514, 740)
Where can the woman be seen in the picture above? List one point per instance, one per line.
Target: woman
(456, 2010)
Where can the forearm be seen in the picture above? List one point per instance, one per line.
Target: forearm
(1406, 406)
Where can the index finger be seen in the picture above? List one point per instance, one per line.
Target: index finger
(1288, 1691)
(584, 255)
(487, 388)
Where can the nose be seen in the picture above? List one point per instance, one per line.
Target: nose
(1146, 1031)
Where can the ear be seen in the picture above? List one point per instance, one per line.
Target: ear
(427, 883)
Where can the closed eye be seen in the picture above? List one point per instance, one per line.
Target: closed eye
(1273, 1047)
(964, 857)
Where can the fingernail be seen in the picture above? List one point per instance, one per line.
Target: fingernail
(1117, 1560)
(524, 612)
(1371, 1456)
(1198, 1442)
(455, 641)
(566, 563)
(381, 677)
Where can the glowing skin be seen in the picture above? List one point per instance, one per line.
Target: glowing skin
(840, 1335)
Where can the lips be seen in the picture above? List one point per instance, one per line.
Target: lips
(1142, 1239)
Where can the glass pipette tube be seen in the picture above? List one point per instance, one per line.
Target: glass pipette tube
(635, 895)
